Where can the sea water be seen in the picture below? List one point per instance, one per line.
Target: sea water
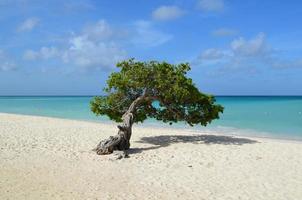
(273, 116)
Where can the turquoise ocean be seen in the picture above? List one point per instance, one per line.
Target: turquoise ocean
(269, 116)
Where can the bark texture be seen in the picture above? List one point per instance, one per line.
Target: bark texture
(121, 141)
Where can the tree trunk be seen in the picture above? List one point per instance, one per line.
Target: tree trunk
(121, 141)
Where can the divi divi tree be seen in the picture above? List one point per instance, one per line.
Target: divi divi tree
(141, 90)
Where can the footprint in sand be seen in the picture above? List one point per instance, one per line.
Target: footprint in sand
(210, 164)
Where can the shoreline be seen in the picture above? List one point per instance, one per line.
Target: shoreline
(266, 136)
(51, 158)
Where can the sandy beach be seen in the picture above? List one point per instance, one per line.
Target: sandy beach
(48, 158)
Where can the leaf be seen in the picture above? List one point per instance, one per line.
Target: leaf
(177, 96)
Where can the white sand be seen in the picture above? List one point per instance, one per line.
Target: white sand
(46, 158)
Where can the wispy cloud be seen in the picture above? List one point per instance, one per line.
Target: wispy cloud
(93, 48)
(239, 50)
(254, 47)
(28, 25)
(279, 63)
(100, 45)
(88, 53)
(224, 32)
(212, 54)
(43, 53)
(5, 63)
(100, 30)
(166, 13)
(146, 35)
(211, 5)
(247, 54)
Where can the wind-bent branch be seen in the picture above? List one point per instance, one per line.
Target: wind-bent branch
(121, 141)
(131, 91)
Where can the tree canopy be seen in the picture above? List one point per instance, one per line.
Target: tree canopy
(155, 90)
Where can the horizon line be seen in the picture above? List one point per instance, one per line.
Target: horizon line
(231, 95)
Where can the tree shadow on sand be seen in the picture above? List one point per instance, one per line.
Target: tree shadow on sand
(166, 140)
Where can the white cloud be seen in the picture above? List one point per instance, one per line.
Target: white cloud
(87, 53)
(222, 32)
(211, 5)
(283, 64)
(93, 48)
(241, 52)
(29, 24)
(212, 54)
(30, 55)
(47, 53)
(165, 13)
(254, 47)
(43, 53)
(99, 31)
(247, 54)
(146, 35)
(7, 66)
(5, 63)
(99, 45)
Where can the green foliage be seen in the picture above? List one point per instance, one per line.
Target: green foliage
(167, 84)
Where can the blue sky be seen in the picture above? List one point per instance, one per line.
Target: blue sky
(67, 47)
